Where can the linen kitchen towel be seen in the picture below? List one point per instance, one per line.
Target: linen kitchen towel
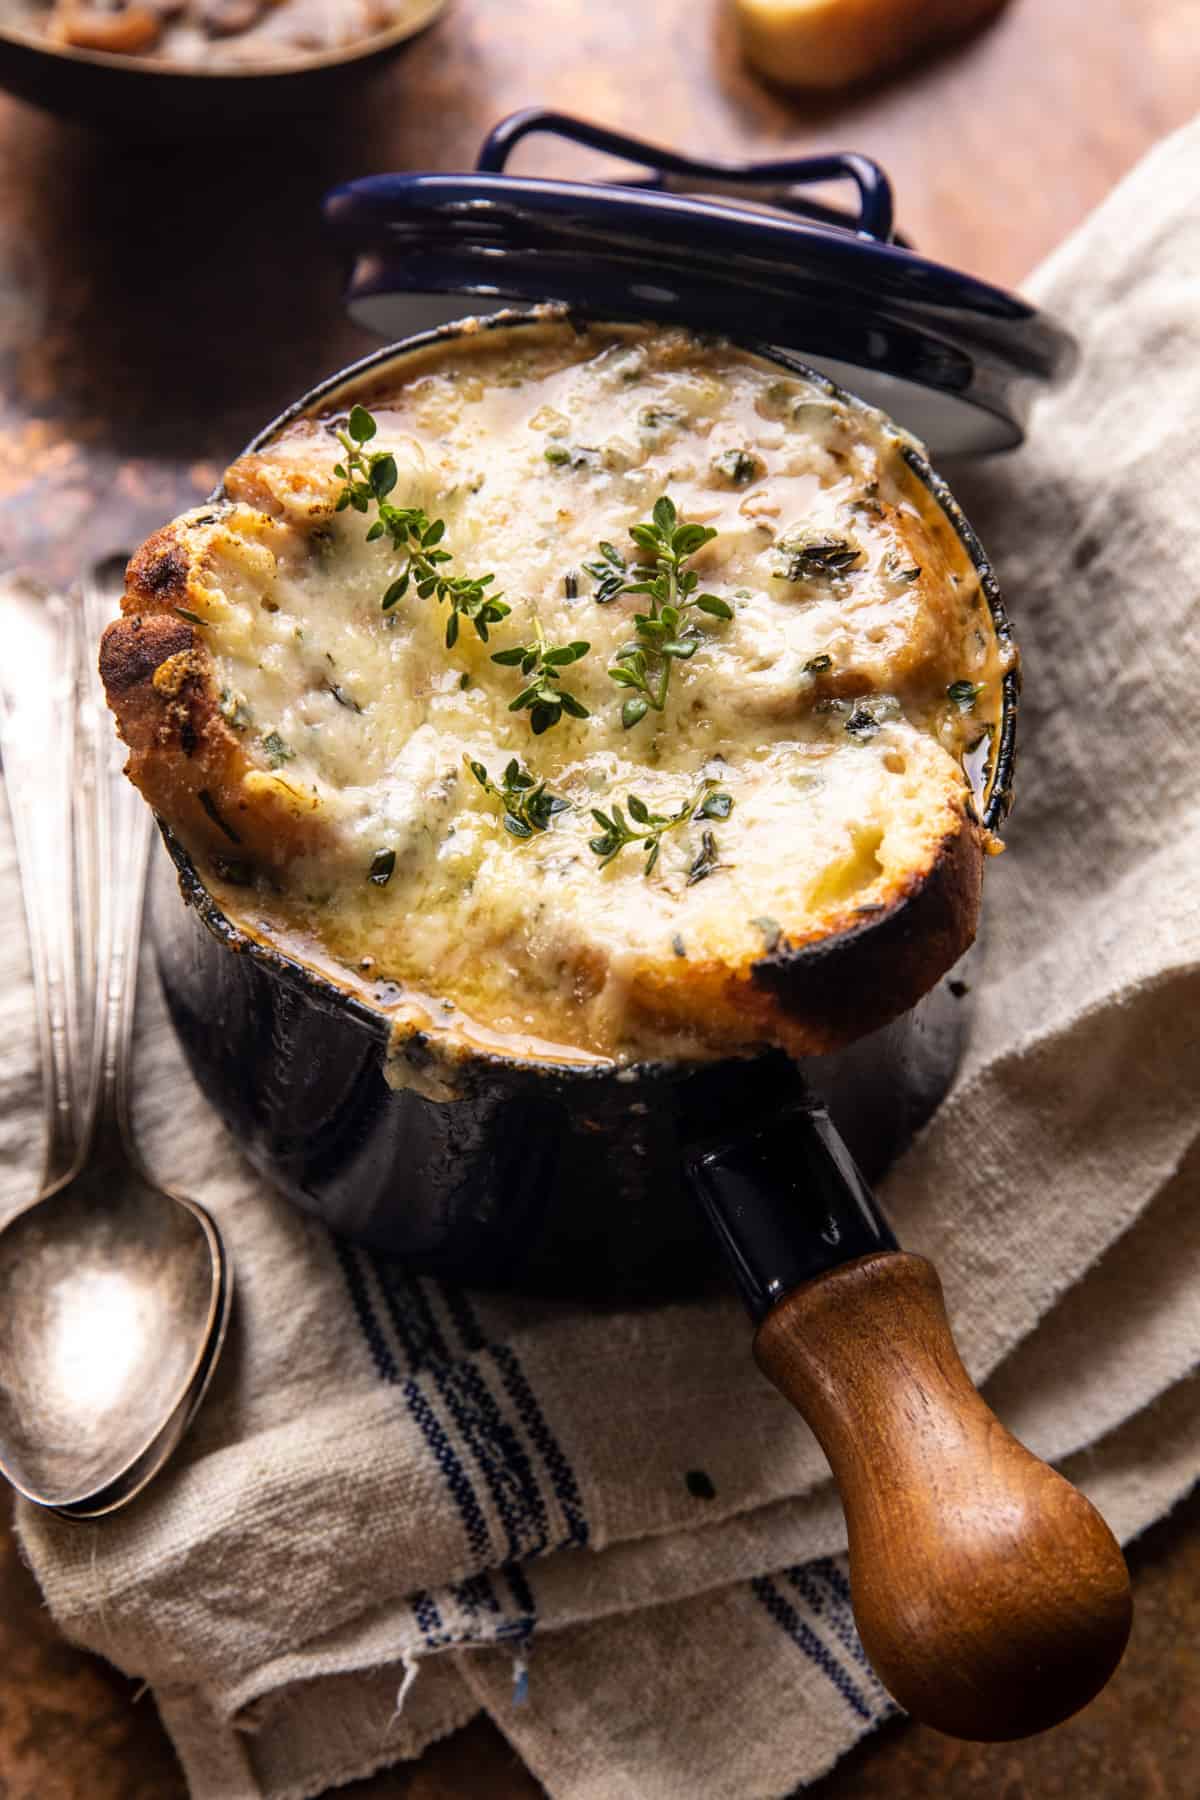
(403, 1502)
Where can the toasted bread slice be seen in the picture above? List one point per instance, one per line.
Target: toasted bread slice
(786, 851)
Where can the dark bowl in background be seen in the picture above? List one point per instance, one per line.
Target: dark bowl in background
(145, 97)
(536, 1176)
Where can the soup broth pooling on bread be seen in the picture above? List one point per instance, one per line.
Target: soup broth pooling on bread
(575, 693)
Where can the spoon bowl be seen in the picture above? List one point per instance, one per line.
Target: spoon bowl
(109, 1297)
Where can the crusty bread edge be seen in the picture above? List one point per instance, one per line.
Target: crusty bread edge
(158, 676)
(853, 980)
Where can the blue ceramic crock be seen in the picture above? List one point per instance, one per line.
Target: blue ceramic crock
(537, 1177)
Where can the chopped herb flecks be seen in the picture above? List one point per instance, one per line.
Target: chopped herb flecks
(659, 418)
(579, 456)
(964, 694)
(342, 697)
(772, 932)
(277, 751)
(738, 466)
(862, 723)
(233, 709)
(810, 555)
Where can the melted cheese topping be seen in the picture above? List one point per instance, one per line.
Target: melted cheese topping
(821, 708)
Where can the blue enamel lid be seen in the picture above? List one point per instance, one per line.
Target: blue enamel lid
(740, 250)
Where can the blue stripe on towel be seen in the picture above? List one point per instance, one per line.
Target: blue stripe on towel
(429, 1619)
(812, 1583)
(385, 1363)
(525, 1403)
(463, 1313)
(834, 1576)
(457, 1480)
(562, 1478)
(492, 1440)
(476, 1596)
(805, 1638)
(494, 1443)
(411, 1314)
(828, 1570)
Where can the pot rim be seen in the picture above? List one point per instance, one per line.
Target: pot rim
(375, 1018)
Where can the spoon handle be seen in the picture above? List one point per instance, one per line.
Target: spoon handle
(37, 744)
(121, 825)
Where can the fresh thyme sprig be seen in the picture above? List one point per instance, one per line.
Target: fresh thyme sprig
(648, 828)
(526, 804)
(663, 638)
(545, 697)
(370, 477)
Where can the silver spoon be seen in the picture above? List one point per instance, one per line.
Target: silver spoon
(114, 1293)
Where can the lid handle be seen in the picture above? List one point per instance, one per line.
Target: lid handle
(776, 182)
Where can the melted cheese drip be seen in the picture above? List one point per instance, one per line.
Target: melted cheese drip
(532, 449)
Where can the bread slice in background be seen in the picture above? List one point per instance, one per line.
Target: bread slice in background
(828, 44)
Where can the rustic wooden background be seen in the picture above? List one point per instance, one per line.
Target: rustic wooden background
(156, 307)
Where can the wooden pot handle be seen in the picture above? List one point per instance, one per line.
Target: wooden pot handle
(990, 1595)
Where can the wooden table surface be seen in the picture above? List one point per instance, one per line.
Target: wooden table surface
(155, 307)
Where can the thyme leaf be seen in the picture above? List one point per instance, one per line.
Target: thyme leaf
(647, 828)
(706, 862)
(369, 477)
(525, 801)
(664, 635)
(544, 696)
